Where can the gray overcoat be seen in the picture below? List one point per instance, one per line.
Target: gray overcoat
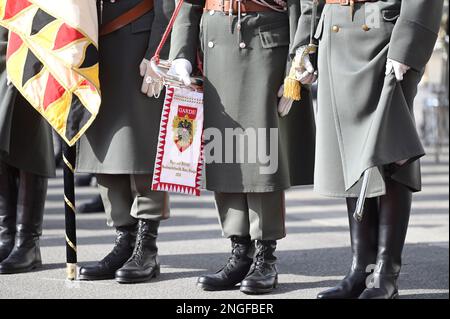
(242, 79)
(365, 118)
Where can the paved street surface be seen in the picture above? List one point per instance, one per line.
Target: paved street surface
(314, 256)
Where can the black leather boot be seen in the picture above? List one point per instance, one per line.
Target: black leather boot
(263, 275)
(121, 252)
(364, 242)
(95, 205)
(26, 254)
(144, 264)
(8, 209)
(234, 271)
(395, 208)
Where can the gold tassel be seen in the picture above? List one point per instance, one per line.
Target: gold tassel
(292, 87)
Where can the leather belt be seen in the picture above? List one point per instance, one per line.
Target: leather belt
(347, 2)
(224, 6)
(131, 15)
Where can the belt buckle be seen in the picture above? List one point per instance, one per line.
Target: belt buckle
(344, 2)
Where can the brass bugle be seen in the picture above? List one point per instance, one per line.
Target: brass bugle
(162, 68)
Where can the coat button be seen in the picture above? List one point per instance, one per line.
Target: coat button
(210, 44)
(211, 13)
(242, 45)
(113, 1)
(336, 28)
(365, 27)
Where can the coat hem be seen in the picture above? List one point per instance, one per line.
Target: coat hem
(46, 174)
(389, 160)
(112, 171)
(247, 189)
(349, 195)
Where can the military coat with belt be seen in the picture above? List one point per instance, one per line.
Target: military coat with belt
(25, 136)
(242, 79)
(365, 118)
(123, 138)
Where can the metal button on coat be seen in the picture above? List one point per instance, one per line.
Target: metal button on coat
(211, 13)
(336, 28)
(365, 27)
(211, 44)
(242, 45)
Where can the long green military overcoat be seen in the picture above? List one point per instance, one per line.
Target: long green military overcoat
(25, 136)
(123, 139)
(365, 118)
(242, 79)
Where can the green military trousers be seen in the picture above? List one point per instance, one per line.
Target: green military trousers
(258, 215)
(129, 197)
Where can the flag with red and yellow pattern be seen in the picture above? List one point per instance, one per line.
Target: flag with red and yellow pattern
(52, 59)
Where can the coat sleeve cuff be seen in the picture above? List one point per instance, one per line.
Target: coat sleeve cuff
(411, 44)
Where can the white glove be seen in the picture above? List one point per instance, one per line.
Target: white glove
(398, 68)
(285, 104)
(152, 84)
(182, 69)
(306, 74)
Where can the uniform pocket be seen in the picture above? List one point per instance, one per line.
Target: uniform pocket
(143, 24)
(319, 29)
(274, 35)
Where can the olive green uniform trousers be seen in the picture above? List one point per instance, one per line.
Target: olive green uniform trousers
(257, 215)
(120, 192)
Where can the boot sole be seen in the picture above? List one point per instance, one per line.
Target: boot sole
(258, 291)
(22, 270)
(137, 280)
(95, 278)
(214, 288)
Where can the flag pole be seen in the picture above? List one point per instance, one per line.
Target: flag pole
(70, 210)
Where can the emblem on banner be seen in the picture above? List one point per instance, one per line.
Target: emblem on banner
(184, 127)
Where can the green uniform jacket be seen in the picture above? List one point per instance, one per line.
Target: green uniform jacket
(25, 137)
(123, 138)
(365, 118)
(241, 86)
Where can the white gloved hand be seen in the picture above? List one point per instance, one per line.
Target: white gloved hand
(398, 68)
(306, 74)
(152, 84)
(285, 104)
(182, 69)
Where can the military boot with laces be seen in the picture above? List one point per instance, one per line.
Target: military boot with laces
(144, 264)
(263, 275)
(107, 267)
(234, 271)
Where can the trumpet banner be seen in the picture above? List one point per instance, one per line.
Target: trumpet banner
(52, 59)
(179, 159)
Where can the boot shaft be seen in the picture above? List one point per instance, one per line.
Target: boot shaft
(146, 250)
(364, 234)
(266, 248)
(30, 205)
(8, 202)
(241, 246)
(395, 209)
